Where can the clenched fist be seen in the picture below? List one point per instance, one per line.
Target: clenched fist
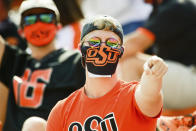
(155, 67)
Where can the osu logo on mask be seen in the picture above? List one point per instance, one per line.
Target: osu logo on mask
(96, 123)
(100, 56)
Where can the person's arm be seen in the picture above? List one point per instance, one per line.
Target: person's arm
(148, 93)
(137, 41)
(2, 48)
(162, 27)
(55, 118)
(3, 103)
(3, 89)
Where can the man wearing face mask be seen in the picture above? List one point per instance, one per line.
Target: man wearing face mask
(37, 81)
(105, 102)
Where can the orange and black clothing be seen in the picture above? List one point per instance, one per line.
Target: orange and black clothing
(35, 86)
(117, 111)
(174, 27)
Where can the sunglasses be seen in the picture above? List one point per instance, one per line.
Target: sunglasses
(32, 19)
(96, 41)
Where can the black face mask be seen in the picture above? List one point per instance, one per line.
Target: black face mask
(101, 60)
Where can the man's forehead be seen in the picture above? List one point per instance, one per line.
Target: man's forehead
(37, 11)
(102, 34)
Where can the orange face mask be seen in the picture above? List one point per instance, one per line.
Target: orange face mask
(40, 34)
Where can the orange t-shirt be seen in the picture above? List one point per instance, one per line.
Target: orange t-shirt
(115, 111)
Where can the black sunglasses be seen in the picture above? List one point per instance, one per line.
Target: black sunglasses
(32, 19)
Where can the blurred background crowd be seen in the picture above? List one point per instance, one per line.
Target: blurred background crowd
(166, 28)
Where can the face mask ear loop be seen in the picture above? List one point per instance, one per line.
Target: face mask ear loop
(83, 56)
(121, 51)
(83, 62)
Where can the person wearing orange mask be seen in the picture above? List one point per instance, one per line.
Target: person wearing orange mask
(38, 80)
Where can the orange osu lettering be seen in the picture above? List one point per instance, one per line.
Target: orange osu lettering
(112, 56)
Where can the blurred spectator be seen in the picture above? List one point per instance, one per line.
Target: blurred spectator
(130, 13)
(171, 30)
(178, 123)
(37, 81)
(70, 15)
(8, 29)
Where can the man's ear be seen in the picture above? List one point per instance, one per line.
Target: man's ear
(83, 57)
(21, 32)
(80, 46)
(121, 51)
